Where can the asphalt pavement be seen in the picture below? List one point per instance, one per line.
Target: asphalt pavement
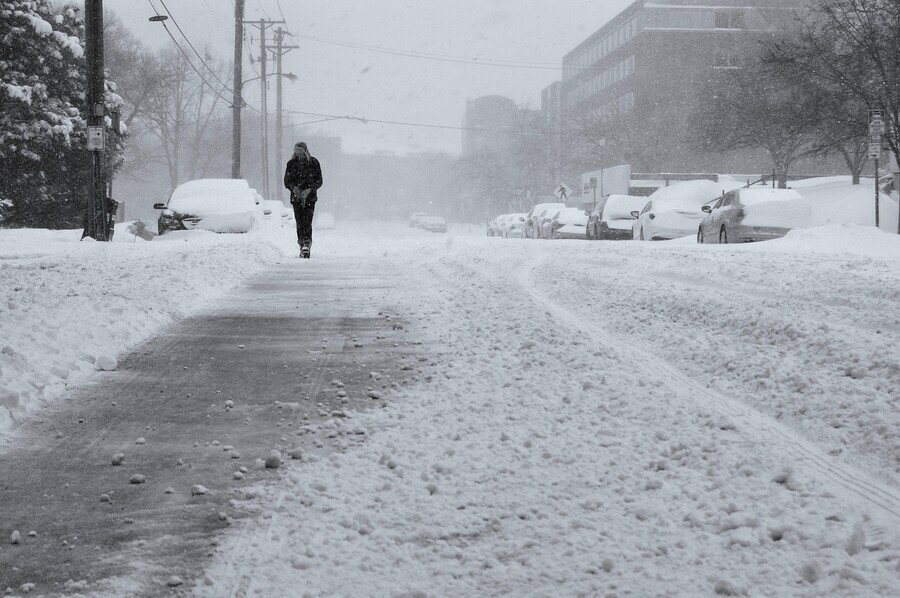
(302, 343)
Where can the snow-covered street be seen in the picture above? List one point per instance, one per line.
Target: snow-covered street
(589, 419)
(614, 419)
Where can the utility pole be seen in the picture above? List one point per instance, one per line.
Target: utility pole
(237, 100)
(263, 24)
(280, 51)
(263, 62)
(95, 225)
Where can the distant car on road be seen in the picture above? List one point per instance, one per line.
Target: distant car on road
(617, 218)
(434, 224)
(415, 221)
(495, 225)
(531, 229)
(324, 221)
(217, 205)
(747, 215)
(568, 223)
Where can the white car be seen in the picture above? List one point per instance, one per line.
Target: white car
(513, 226)
(618, 216)
(568, 223)
(276, 211)
(676, 211)
(217, 205)
(434, 224)
(532, 226)
(324, 221)
(493, 229)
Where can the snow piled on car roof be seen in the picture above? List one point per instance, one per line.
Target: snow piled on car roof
(213, 195)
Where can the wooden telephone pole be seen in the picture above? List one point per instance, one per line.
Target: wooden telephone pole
(96, 224)
(280, 50)
(237, 100)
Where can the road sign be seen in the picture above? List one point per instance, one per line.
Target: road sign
(96, 139)
(876, 122)
(875, 148)
(562, 192)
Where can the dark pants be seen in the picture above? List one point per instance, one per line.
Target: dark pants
(304, 218)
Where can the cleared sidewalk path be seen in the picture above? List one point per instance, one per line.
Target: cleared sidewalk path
(211, 394)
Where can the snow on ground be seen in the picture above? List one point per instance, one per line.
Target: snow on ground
(611, 419)
(598, 419)
(70, 308)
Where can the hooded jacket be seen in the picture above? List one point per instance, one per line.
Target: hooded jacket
(306, 174)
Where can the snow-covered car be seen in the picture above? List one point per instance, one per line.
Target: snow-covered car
(324, 221)
(513, 226)
(676, 211)
(415, 221)
(617, 218)
(592, 230)
(532, 229)
(495, 225)
(276, 211)
(217, 205)
(434, 224)
(568, 223)
(747, 215)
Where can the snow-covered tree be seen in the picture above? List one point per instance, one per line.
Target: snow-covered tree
(43, 155)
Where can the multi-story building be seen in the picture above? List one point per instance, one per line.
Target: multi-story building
(485, 124)
(648, 64)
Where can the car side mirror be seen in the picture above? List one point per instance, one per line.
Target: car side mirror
(635, 214)
(159, 206)
(707, 209)
(521, 219)
(267, 212)
(587, 212)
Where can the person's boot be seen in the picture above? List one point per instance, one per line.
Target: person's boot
(304, 251)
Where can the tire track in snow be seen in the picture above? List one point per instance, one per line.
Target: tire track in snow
(856, 486)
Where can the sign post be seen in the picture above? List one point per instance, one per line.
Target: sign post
(876, 130)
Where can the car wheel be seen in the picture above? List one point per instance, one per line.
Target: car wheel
(723, 236)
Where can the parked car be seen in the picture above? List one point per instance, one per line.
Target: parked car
(617, 218)
(434, 224)
(275, 211)
(496, 225)
(532, 227)
(592, 229)
(568, 223)
(217, 205)
(746, 215)
(676, 211)
(415, 221)
(513, 226)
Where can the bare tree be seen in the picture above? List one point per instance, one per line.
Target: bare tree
(851, 46)
(187, 115)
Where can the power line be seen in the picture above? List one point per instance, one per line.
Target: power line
(202, 59)
(437, 57)
(191, 64)
(262, 8)
(326, 117)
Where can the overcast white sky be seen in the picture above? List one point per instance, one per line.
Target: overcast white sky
(352, 81)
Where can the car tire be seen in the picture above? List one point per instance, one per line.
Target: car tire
(723, 236)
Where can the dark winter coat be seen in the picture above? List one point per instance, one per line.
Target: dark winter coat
(305, 174)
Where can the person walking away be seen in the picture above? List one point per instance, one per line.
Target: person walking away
(303, 177)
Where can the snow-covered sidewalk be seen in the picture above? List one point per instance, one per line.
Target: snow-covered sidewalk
(573, 438)
(70, 308)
